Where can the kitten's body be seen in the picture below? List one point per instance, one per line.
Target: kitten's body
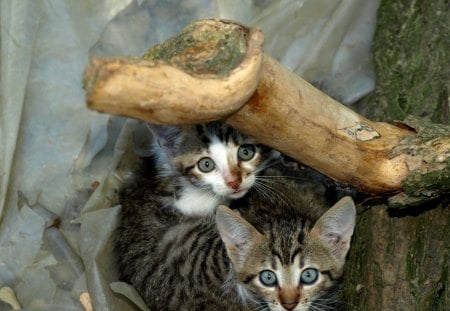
(146, 230)
(177, 168)
(179, 262)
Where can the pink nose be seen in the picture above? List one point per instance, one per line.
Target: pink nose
(289, 305)
(234, 182)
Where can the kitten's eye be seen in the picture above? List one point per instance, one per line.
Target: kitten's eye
(246, 152)
(309, 276)
(206, 165)
(268, 278)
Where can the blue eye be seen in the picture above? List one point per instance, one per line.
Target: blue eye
(206, 165)
(268, 278)
(309, 276)
(246, 152)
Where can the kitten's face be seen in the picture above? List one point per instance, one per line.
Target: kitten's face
(216, 158)
(294, 282)
(228, 168)
(286, 265)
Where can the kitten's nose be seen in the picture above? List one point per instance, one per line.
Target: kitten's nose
(289, 297)
(234, 182)
(290, 305)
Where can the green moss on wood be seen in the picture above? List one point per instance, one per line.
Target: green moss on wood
(427, 131)
(412, 60)
(428, 184)
(413, 259)
(431, 145)
(438, 297)
(359, 258)
(412, 63)
(428, 269)
(203, 48)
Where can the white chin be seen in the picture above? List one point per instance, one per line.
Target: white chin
(237, 194)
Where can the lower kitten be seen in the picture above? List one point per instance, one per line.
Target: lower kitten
(280, 252)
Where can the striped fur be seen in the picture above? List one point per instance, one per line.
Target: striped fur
(179, 262)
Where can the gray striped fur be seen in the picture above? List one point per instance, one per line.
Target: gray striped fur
(179, 262)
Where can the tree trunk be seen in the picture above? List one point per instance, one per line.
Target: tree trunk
(399, 258)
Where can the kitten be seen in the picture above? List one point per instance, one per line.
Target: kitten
(277, 253)
(195, 168)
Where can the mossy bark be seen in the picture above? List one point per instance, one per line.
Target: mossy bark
(399, 261)
(411, 48)
(399, 258)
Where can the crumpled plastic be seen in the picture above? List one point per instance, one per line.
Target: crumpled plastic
(60, 164)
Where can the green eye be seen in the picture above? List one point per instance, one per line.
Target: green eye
(309, 276)
(268, 278)
(206, 165)
(246, 152)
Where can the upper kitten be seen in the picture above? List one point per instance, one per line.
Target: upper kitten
(202, 166)
(278, 254)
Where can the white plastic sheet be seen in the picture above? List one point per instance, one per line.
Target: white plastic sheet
(59, 161)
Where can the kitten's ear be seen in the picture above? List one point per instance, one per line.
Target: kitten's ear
(237, 234)
(335, 228)
(167, 136)
(141, 138)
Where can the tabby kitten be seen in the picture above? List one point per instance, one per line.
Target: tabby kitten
(195, 168)
(278, 253)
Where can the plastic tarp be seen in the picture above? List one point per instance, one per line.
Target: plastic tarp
(59, 162)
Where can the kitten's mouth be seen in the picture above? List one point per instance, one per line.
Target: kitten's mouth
(237, 193)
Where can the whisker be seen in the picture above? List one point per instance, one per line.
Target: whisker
(260, 306)
(324, 303)
(269, 163)
(271, 193)
(283, 176)
(269, 183)
(265, 188)
(264, 194)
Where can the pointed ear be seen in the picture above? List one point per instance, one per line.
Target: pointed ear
(141, 138)
(335, 228)
(167, 136)
(237, 234)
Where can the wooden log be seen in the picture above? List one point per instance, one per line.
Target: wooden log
(188, 81)
(185, 86)
(290, 115)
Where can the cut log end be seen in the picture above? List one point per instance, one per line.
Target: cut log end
(205, 73)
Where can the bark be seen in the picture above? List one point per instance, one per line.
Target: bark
(399, 257)
(399, 260)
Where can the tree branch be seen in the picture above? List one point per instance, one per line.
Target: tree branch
(204, 73)
(216, 70)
